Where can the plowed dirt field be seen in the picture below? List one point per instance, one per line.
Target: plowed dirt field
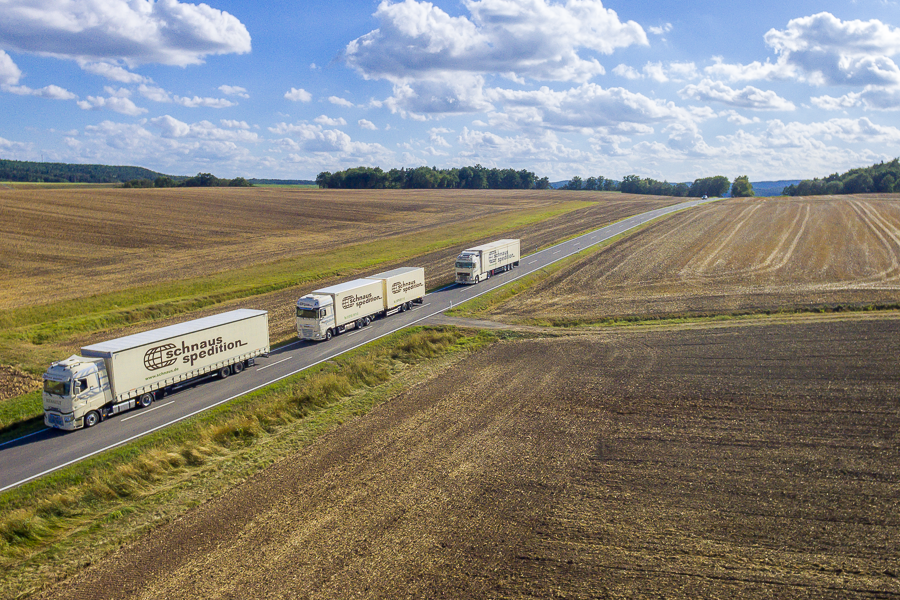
(734, 462)
(738, 255)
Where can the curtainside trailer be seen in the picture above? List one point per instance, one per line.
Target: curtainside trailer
(478, 263)
(114, 376)
(329, 311)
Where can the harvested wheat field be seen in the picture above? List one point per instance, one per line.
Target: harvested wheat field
(738, 255)
(439, 265)
(734, 462)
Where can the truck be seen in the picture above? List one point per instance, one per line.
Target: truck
(478, 263)
(329, 311)
(112, 377)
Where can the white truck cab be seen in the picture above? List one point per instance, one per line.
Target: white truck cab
(315, 317)
(74, 388)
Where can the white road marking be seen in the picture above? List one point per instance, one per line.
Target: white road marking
(148, 410)
(274, 363)
(26, 436)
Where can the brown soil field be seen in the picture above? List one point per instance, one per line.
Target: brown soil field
(738, 255)
(754, 461)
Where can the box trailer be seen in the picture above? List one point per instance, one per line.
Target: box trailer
(329, 311)
(114, 376)
(479, 263)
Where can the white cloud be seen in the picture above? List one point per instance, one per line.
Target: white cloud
(234, 124)
(364, 124)
(531, 38)
(234, 90)
(119, 104)
(739, 119)
(463, 94)
(112, 71)
(328, 121)
(157, 94)
(164, 32)
(871, 98)
(584, 108)
(749, 97)
(661, 30)
(659, 71)
(51, 92)
(298, 95)
(307, 137)
(824, 50)
(340, 101)
(9, 72)
(9, 147)
(627, 72)
(170, 127)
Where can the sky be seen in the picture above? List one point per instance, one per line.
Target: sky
(288, 89)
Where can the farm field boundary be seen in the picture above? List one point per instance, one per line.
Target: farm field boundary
(53, 527)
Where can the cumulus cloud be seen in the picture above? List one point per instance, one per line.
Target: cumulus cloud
(824, 50)
(170, 127)
(298, 95)
(340, 101)
(328, 121)
(308, 137)
(112, 72)
(118, 103)
(586, 107)
(871, 98)
(163, 32)
(157, 94)
(749, 97)
(234, 90)
(9, 72)
(659, 71)
(364, 124)
(539, 39)
(463, 94)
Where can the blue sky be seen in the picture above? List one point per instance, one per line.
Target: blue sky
(662, 89)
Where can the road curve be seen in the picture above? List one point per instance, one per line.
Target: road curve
(45, 451)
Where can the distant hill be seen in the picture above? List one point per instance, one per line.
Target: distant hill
(46, 172)
(772, 188)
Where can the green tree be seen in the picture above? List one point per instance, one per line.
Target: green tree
(742, 188)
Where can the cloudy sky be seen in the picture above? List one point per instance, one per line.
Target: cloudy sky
(665, 89)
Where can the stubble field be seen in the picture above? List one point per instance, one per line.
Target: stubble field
(120, 241)
(733, 256)
(737, 462)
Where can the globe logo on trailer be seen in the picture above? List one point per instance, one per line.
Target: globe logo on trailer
(154, 361)
(397, 288)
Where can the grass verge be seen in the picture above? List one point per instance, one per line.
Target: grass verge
(55, 526)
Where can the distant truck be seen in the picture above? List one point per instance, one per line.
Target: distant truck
(329, 311)
(478, 263)
(111, 377)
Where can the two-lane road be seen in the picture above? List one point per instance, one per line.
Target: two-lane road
(47, 450)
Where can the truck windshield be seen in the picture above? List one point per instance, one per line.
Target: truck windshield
(306, 313)
(57, 388)
(464, 265)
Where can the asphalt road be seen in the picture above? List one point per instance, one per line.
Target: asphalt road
(48, 450)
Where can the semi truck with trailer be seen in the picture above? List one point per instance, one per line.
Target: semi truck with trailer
(112, 377)
(329, 311)
(478, 263)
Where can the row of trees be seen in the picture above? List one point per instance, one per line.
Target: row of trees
(475, 178)
(633, 184)
(883, 177)
(199, 180)
(46, 172)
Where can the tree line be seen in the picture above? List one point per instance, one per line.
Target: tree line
(633, 184)
(883, 177)
(475, 178)
(199, 180)
(47, 172)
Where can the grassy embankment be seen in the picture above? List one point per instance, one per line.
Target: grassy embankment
(25, 333)
(53, 527)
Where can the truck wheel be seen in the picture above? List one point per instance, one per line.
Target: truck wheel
(408, 305)
(477, 279)
(145, 400)
(327, 335)
(366, 321)
(237, 367)
(224, 372)
(91, 419)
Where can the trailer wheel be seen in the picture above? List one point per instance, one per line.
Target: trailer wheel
(91, 419)
(366, 321)
(408, 305)
(327, 334)
(145, 400)
(237, 367)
